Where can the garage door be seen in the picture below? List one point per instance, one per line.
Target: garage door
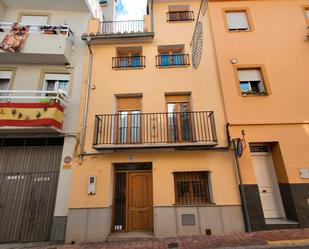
(28, 185)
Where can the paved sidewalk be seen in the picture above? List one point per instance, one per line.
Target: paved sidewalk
(283, 239)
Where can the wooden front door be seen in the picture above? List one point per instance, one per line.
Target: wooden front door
(133, 205)
(140, 208)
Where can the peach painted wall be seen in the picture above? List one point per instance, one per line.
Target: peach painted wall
(220, 164)
(203, 83)
(278, 42)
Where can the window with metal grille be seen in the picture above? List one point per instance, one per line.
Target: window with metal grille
(192, 188)
(259, 148)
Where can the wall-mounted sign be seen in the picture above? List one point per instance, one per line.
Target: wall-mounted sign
(67, 159)
(304, 173)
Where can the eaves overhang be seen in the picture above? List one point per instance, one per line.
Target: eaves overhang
(118, 38)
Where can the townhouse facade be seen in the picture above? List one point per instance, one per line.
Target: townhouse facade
(261, 49)
(114, 129)
(41, 72)
(154, 154)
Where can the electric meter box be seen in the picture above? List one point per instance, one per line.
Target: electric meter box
(92, 182)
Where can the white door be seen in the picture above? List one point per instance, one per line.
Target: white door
(268, 185)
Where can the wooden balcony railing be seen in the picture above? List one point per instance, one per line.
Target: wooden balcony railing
(135, 129)
(128, 62)
(172, 60)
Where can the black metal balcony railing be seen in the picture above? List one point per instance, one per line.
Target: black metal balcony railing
(180, 16)
(122, 27)
(165, 129)
(128, 62)
(167, 60)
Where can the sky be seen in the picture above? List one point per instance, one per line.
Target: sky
(130, 9)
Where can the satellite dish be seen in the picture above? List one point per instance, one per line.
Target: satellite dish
(238, 147)
(197, 45)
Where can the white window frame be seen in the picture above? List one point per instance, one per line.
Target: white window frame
(5, 75)
(256, 75)
(231, 17)
(44, 18)
(57, 77)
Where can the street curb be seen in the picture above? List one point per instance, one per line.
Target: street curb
(292, 246)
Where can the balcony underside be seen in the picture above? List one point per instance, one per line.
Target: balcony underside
(26, 58)
(174, 146)
(144, 37)
(71, 5)
(40, 49)
(9, 130)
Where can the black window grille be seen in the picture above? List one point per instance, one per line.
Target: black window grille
(192, 188)
(178, 16)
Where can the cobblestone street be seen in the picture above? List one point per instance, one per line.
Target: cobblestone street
(283, 239)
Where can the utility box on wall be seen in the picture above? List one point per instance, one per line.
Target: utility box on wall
(92, 182)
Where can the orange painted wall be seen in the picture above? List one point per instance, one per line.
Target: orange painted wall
(278, 42)
(204, 86)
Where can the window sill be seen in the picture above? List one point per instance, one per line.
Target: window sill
(195, 205)
(185, 20)
(128, 68)
(239, 30)
(254, 95)
(173, 66)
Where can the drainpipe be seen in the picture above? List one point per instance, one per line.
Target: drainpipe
(241, 187)
(151, 15)
(82, 143)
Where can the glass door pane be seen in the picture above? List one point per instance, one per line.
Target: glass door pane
(63, 85)
(185, 122)
(176, 58)
(124, 61)
(172, 122)
(136, 60)
(4, 85)
(135, 127)
(165, 59)
(123, 127)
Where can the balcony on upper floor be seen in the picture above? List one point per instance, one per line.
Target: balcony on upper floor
(111, 32)
(31, 111)
(67, 5)
(35, 44)
(135, 130)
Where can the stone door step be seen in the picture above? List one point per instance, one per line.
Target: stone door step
(125, 236)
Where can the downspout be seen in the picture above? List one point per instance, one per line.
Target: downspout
(241, 188)
(82, 143)
(151, 15)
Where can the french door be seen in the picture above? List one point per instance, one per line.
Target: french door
(132, 200)
(129, 127)
(179, 122)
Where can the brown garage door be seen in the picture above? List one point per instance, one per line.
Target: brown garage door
(28, 186)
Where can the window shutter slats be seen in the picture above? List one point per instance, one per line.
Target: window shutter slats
(249, 75)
